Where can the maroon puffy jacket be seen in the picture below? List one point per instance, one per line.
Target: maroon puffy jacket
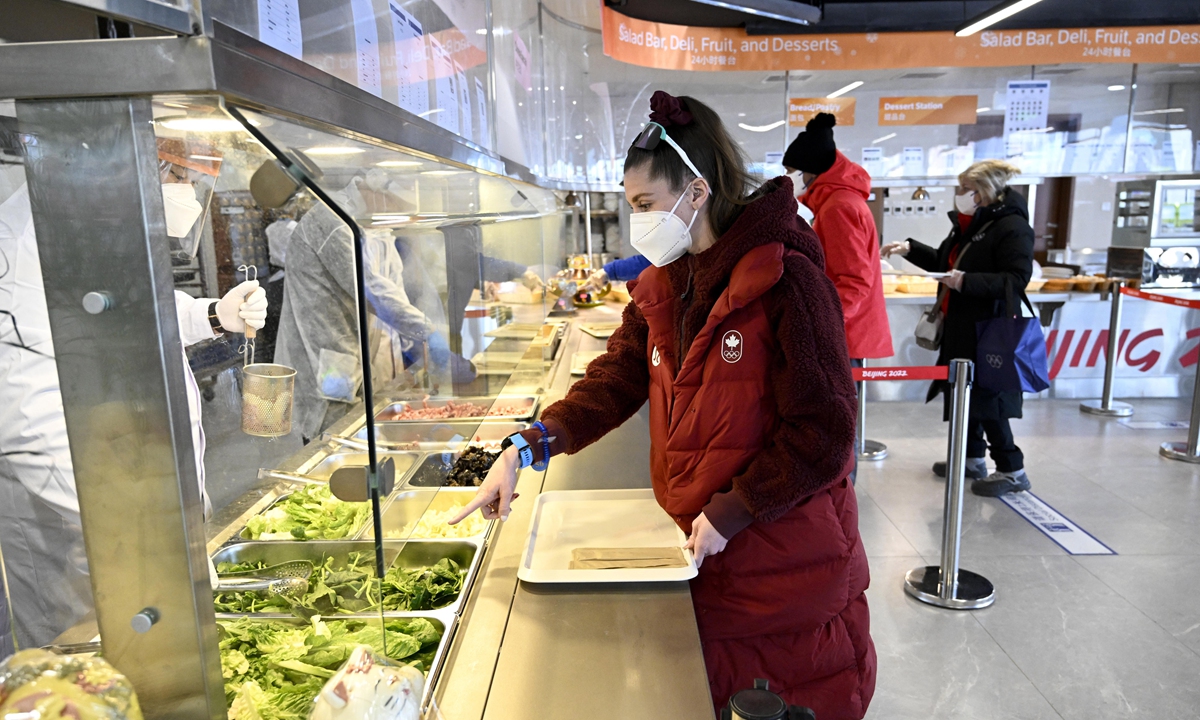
(753, 425)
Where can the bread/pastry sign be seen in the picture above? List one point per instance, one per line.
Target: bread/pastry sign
(731, 346)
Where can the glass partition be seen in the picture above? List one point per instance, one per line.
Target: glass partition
(1166, 120)
(429, 57)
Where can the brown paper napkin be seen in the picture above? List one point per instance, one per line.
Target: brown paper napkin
(625, 558)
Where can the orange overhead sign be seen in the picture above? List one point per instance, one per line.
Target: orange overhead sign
(948, 110)
(680, 47)
(801, 110)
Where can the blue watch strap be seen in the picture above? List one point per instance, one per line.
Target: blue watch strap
(524, 451)
(545, 463)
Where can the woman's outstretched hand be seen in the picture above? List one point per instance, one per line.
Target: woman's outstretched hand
(495, 495)
(705, 539)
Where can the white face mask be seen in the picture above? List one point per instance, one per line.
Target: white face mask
(965, 203)
(181, 209)
(660, 236)
(798, 185)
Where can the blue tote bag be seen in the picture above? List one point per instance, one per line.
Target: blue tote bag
(1010, 351)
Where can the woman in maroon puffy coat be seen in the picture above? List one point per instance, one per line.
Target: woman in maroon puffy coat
(739, 347)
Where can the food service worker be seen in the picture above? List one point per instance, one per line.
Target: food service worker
(318, 325)
(735, 338)
(40, 532)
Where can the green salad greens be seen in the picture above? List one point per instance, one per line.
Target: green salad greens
(310, 513)
(345, 587)
(274, 670)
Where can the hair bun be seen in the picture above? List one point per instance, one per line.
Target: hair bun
(668, 110)
(821, 121)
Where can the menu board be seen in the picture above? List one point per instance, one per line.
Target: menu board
(481, 111)
(445, 94)
(463, 91)
(914, 161)
(279, 26)
(412, 60)
(522, 63)
(872, 160)
(366, 45)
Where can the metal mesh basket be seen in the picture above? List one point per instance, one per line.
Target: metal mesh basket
(267, 399)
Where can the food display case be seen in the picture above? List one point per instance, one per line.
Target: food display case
(1157, 213)
(389, 259)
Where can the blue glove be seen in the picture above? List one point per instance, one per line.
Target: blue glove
(439, 349)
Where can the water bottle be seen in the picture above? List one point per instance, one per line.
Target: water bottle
(760, 703)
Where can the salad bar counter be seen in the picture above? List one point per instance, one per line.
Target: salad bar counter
(450, 602)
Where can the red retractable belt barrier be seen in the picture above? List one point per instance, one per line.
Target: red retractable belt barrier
(1166, 299)
(924, 372)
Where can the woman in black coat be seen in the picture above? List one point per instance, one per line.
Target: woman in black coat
(992, 242)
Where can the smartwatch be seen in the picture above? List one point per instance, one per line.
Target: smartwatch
(523, 449)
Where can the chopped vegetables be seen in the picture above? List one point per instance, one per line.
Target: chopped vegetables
(435, 524)
(310, 513)
(340, 588)
(274, 669)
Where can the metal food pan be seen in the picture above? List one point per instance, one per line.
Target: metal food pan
(528, 406)
(446, 622)
(242, 536)
(435, 436)
(434, 470)
(411, 503)
(467, 553)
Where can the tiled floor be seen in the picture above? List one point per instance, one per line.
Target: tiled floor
(1085, 637)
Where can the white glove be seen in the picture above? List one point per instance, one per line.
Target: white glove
(597, 280)
(244, 305)
(900, 248)
(531, 280)
(954, 280)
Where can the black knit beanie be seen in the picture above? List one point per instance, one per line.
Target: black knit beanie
(813, 151)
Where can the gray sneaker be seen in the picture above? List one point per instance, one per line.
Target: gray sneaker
(999, 483)
(976, 469)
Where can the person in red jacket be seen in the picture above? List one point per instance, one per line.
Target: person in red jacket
(836, 190)
(735, 337)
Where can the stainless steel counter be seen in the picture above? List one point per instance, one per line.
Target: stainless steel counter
(615, 651)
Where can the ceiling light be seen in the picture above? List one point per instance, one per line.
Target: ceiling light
(842, 91)
(334, 150)
(398, 164)
(481, 31)
(578, 137)
(889, 136)
(1115, 88)
(201, 124)
(1163, 111)
(761, 128)
(991, 17)
(979, 110)
(798, 13)
(434, 111)
(741, 114)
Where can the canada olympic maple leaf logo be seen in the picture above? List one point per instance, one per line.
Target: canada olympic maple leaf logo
(731, 346)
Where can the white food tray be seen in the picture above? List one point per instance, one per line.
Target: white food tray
(582, 359)
(569, 519)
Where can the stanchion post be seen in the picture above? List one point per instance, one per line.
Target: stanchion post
(947, 585)
(1189, 451)
(1106, 406)
(866, 449)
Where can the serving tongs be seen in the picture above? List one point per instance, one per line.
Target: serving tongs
(289, 579)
